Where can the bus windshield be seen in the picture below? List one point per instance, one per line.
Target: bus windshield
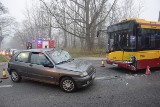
(121, 41)
(121, 36)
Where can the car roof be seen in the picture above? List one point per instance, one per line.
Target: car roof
(38, 50)
(13, 49)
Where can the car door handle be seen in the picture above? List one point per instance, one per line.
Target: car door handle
(30, 65)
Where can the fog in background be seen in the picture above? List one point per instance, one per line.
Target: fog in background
(17, 9)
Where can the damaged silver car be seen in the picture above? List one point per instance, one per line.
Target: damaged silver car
(51, 66)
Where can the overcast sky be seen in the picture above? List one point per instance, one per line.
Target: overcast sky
(16, 8)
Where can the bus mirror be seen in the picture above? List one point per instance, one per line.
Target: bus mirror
(98, 33)
(108, 51)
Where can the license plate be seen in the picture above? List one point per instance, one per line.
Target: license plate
(93, 76)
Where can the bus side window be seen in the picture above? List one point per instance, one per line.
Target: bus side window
(147, 34)
(141, 40)
(157, 39)
(152, 39)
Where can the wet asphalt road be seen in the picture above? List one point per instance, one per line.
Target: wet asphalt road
(113, 87)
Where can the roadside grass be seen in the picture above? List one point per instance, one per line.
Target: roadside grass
(3, 59)
(81, 53)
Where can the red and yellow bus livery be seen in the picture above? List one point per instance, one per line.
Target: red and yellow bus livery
(134, 44)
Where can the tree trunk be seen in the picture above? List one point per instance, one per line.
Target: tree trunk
(65, 33)
(50, 31)
(87, 25)
(65, 39)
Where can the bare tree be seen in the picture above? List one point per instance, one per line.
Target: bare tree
(87, 11)
(3, 9)
(6, 22)
(79, 20)
(38, 24)
(126, 9)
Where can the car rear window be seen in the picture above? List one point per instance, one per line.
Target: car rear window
(22, 57)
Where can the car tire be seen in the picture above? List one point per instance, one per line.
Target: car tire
(15, 76)
(67, 84)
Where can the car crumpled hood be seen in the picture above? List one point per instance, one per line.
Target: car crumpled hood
(75, 65)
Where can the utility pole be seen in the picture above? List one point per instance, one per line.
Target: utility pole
(0, 36)
(159, 17)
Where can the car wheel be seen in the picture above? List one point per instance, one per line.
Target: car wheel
(15, 76)
(67, 84)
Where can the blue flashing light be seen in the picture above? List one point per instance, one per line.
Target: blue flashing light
(39, 41)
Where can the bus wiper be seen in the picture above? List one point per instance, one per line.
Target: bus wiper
(117, 46)
(120, 46)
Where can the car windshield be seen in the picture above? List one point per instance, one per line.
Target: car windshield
(59, 56)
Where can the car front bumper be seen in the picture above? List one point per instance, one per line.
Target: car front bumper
(85, 81)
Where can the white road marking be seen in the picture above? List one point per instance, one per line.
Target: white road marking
(5, 86)
(100, 78)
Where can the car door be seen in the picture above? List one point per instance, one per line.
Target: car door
(21, 63)
(37, 68)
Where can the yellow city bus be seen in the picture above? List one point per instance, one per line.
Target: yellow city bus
(134, 44)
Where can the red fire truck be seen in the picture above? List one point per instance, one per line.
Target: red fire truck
(40, 43)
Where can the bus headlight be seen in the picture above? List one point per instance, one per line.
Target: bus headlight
(133, 59)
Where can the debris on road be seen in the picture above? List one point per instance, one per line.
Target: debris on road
(108, 77)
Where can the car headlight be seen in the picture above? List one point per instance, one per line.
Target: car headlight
(83, 74)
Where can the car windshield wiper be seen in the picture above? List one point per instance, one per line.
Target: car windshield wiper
(62, 62)
(69, 60)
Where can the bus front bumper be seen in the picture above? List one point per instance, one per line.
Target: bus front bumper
(123, 64)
